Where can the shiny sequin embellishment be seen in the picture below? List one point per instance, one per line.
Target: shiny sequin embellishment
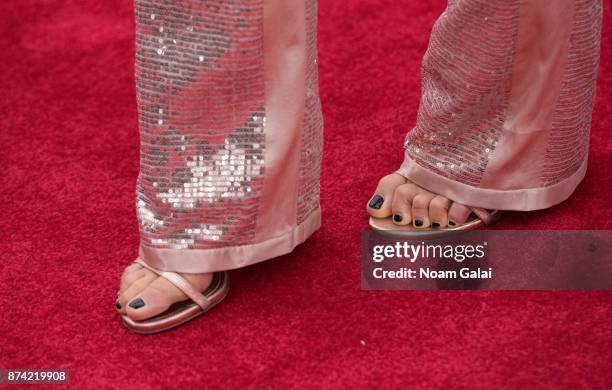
(312, 133)
(200, 91)
(568, 145)
(465, 82)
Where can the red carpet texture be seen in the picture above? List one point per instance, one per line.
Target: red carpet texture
(69, 163)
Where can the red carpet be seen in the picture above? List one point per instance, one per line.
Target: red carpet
(69, 163)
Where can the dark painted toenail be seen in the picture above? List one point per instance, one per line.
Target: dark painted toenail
(418, 222)
(435, 225)
(137, 303)
(397, 217)
(117, 305)
(452, 223)
(376, 202)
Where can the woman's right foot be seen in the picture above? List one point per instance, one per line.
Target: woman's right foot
(407, 203)
(144, 294)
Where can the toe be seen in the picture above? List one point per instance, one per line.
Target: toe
(157, 297)
(438, 211)
(153, 300)
(379, 205)
(401, 205)
(420, 209)
(130, 274)
(134, 288)
(458, 214)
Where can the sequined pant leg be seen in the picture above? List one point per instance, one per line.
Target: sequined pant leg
(507, 94)
(230, 128)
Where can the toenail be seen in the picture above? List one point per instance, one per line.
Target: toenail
(117, 305)
(376, 202)
(435, 225)
(397, 218)
(452, 223)
(418, 222)
(137, 303)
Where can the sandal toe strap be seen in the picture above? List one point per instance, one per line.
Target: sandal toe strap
(488, 217)
(181, 283)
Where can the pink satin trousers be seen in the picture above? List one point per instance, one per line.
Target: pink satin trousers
(231, 125)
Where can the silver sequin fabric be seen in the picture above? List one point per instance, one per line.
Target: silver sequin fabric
(312, 134)
(467, 75)
(201, 104)
(465, 86)
(568, 145)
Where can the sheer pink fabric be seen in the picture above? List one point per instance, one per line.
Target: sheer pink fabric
(230, 126)
(507, 95)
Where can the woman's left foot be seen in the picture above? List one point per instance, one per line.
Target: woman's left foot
(407, 203)
(144, 294)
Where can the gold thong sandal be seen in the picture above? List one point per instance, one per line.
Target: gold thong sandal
(181, 312)
(478, 218)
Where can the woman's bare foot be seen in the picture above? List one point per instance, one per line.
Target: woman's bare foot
(408, 204)
(143, 294)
